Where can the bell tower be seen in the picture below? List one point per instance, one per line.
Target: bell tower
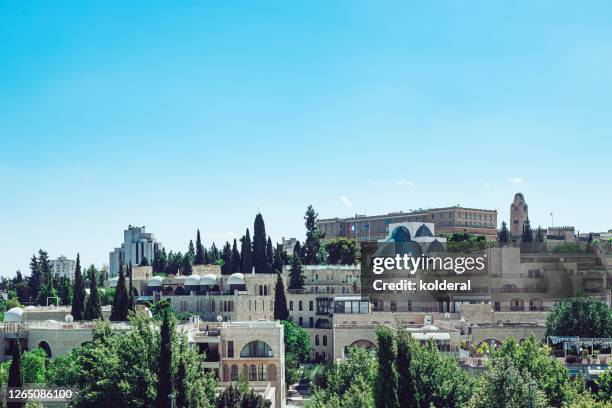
(518, 215)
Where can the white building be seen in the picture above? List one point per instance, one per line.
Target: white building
(137, 245)
(63, 266)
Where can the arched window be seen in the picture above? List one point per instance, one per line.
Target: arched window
(260, 290)
(323, 324)
(45, 346)
(317, 340)
(252, 373)
(234, 372)
(226, 376)
(262, 372)
(266, 290)
(325, 340)
(256, 349)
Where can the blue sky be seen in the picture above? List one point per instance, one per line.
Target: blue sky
(185, 115)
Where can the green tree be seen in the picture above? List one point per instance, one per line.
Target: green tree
(93, 308)
(160, 261)
(181, 385)
(604, 385)
(119, 310)
(226, 256)
(582, 316)
(342, 251)
(246, 254)
(296, 274)
(280, 300)
(269, 256)
(235, 261)
(199, 254)
(15, 377)
(35, 280)
(259, 245)
(229, 398)
(527, 233)
(387, 386)
(64, 290)
(33, 366)
(144, 261)
(297, 250)
(313, 237)
(297, 349)
(551, 376)
(351, 383)
(78, 292)
(131, 291)
(277, 261)
(539, 238)
(165, 386)
(63, 371)
(407, 392)
(504, 235)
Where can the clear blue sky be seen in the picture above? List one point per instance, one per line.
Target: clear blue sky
(185, 115)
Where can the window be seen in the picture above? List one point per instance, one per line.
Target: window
(257, 349)
(262, 373)
(252, 373)
(230, 349)
(234, 372)
(325, 340)
(310, 322)
(300, 305)
(301, 321)
(317, 340)
(311, 306)
(291, 305)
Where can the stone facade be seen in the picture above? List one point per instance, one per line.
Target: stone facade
(519, 213)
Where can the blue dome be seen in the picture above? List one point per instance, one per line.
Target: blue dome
(424, 231)
(401, 234)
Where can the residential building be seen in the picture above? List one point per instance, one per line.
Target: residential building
(137, 245)
(63, 266)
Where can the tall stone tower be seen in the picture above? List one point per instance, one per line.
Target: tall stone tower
(518, 215)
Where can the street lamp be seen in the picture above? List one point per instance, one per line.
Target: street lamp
(171, 400)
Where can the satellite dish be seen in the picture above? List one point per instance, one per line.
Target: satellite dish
(68, 318)
(219, 318)
(446, 315)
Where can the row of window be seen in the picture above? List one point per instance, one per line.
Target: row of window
(259, 372)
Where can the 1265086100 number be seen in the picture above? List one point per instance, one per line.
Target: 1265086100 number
(38, 394)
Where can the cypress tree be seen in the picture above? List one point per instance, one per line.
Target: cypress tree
(213, 254)
(504, 234)
(312, 245)
(296, 275)
(164, 385)
(280, 300)
(199, 255)
(35, 280)
(259, 244)
(246, 254)
(386, 395)
(407, 392)
(181, 384)
(93, 309)
(78, 292)
(186, 267)
(277, 261)
(235, 260)
(45, 270)
(15, 376)
(269, 256)
(119, 310)
(131, 294)
(191, 252)
(297, 249)
(226, 256)
(527, 233)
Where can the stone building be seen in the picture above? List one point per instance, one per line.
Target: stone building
(519, 213)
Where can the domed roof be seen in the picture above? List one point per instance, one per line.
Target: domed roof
(112, 282)
(155, 281)
(401, 234)
(192, 280)
(13, 315)
(424, 231)
(209, 279)
(236, 279)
